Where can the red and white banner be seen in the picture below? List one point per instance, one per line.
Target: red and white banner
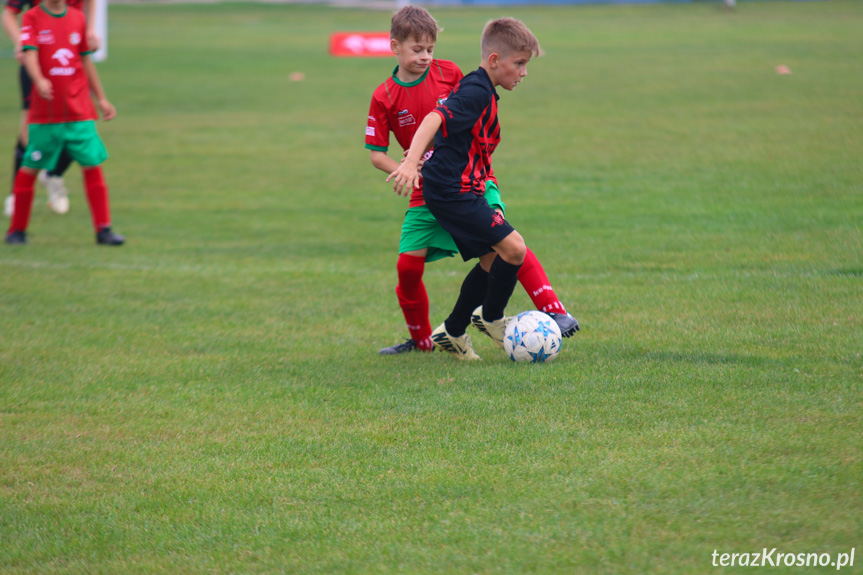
(360, 44)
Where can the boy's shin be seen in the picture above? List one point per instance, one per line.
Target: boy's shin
(23, 190)
(97, 196)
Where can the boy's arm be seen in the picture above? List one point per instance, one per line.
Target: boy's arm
(407, 175)
(107, 109)
(10, 26)
(90, 13)
(43, 85)
(383, 162)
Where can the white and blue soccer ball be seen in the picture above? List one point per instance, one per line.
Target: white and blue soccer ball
(532, 336)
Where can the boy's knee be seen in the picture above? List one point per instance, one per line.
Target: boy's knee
(513, 249)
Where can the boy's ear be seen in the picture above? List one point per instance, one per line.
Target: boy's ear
(394, 46)
(493, 60)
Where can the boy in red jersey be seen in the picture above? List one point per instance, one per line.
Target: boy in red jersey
(62, 115)
(465, 132)
(418, 84)
(58, 196)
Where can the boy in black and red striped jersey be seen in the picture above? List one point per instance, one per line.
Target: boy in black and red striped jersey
(52, 179)
(62, 115)
(465, 132)
(419, 84)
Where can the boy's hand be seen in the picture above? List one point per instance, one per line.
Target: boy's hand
(93, 40)
(422, 160)
(405, 178)
(44, 88)
(107, 108)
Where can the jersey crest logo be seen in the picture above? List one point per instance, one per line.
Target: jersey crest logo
(497, 219)
(74, 39)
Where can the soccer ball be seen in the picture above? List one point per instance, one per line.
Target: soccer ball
(532, 336)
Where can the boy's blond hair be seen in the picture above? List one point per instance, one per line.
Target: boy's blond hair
(507, 35)
(413, 22)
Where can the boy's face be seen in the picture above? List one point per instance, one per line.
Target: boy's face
(510, 70)
(414, 56)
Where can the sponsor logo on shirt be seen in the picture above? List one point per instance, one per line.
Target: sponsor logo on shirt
(65, 57)
(45, 37)
(370, 130)
(406, 118)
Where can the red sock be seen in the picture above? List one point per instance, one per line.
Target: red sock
(97, 196)
(414, 300)
(23, 190)
(536, 284)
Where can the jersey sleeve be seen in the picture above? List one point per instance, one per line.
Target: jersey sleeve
(84, 47)
(462, 109)
(377, 126)
(26, 39)
(15, 6)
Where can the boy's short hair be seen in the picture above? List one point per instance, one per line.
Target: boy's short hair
(413, 22)
(507, 35)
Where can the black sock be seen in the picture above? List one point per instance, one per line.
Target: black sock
(473, 291)
(62, 164)
(502, 278)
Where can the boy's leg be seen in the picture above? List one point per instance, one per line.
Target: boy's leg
(97, 195)
(450, 336)
(63, 162)
(535, 282)
(473, 292)
(100, 209)
(25, 180)
(414, 303)
(58, 195)
(532, 278)
(82, 141)
(9, 205)
(422, 240)
(26, 86)
(502, 277)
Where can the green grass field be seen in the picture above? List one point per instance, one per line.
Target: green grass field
(208, 398)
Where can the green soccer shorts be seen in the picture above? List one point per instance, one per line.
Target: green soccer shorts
(421, 230)
(80, 139)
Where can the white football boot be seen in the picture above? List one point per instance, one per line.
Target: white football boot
(58, 195)
(494, 329)
(457, 346)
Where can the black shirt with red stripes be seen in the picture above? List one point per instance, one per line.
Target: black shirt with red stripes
(467, 137)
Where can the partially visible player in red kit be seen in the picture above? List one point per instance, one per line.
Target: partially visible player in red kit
(62, 115)
(417, 86)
